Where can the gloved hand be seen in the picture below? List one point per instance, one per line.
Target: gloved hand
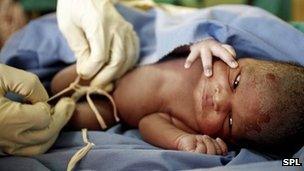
(206, 49)
(29, 129)
(99, 37)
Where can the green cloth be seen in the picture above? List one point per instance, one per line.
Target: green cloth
(280, 8)
(39, 5)
(298, 25)
(188, 3)
(217, 2)
(201, 3)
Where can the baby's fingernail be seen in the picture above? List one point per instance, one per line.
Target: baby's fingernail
(233, 64)
(187, 65)
(208, 72)
(218, 139)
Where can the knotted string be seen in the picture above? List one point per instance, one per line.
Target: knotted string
(81, 90)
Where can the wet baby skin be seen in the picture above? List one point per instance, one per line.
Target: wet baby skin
(176, 108)
(181, 109)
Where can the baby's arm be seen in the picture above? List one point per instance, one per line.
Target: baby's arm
(166, 132)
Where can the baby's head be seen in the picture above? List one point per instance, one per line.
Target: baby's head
(279, 123)
(259, 104)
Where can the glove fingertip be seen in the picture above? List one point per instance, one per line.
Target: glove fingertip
(66, 105)
(83, 75)
(69, 102)
(45, 106)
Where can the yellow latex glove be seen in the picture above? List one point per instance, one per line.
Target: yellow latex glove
(29, 129)
(104, 44)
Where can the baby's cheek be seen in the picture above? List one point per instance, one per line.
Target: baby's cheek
(210, 125)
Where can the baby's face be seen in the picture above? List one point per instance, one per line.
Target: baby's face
(234, 102)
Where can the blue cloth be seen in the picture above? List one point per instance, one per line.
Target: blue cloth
(121, 149)
(40, 48)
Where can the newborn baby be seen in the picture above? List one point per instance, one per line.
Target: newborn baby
(181, 109)
(259, 101)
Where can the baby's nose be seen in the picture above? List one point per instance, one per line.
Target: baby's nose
(221, 100)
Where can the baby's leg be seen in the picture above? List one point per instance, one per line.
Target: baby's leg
(83, 116)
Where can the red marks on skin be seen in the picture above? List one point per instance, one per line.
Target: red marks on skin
(271, 77)
(265, 118)
(272, 80)
(255, 125)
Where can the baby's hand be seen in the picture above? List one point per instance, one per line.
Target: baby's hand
(202, 144)
(206, 49)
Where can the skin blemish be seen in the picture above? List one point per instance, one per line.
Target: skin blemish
(256, 123)
(253, 126)
(263, 119)
(271, 77)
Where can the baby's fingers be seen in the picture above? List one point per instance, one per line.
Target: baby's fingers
(200, 145)
(191, 58)
(222, 145)
(206, 57)
(230, 49)
(211, 149)
(200, 148)
(217, 147)
(224, 54)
